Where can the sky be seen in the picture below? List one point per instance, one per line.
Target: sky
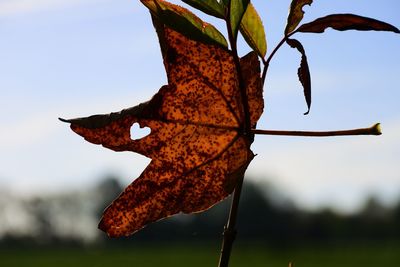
(74, 58)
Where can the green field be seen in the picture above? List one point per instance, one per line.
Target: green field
(200, 256)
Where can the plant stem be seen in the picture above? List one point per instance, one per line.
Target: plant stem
(373, 130)
(229, 230)
(266, 62)
(242, 87)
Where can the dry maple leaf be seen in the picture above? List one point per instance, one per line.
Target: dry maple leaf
(197, 148)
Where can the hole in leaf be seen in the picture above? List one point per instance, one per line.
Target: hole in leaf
(139, 133)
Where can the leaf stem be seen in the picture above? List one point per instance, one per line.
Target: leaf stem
(373, 130)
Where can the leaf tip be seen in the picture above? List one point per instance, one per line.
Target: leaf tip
(103, 226)
(308, 112)
(64, 120)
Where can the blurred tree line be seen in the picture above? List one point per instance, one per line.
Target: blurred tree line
(264, 217)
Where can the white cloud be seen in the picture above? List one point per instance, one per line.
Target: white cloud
(21, 7)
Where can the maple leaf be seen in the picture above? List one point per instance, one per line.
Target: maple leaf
(197, 147)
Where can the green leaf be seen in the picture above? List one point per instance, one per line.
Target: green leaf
(185, 22)
(237, 10)
(253, 32)
(344, 22)
(210, 7)
(224, 2)
(296, 14)
(303, 71)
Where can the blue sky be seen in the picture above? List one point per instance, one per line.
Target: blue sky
(70, 58)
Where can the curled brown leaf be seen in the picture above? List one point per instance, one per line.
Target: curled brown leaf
(344, 22)
(303, 71)
(296, 14)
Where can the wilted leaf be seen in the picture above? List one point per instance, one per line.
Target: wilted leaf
(185, 22)
(210, 7)
(303, 71)
(252, 30)
(296, 14)
(237, 10)
(344, 22)
(196, 146)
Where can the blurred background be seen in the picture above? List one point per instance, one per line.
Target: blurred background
(314, 202)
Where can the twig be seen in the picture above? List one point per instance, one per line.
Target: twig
(373, 130)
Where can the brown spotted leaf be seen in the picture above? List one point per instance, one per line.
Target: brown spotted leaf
(197, 149)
